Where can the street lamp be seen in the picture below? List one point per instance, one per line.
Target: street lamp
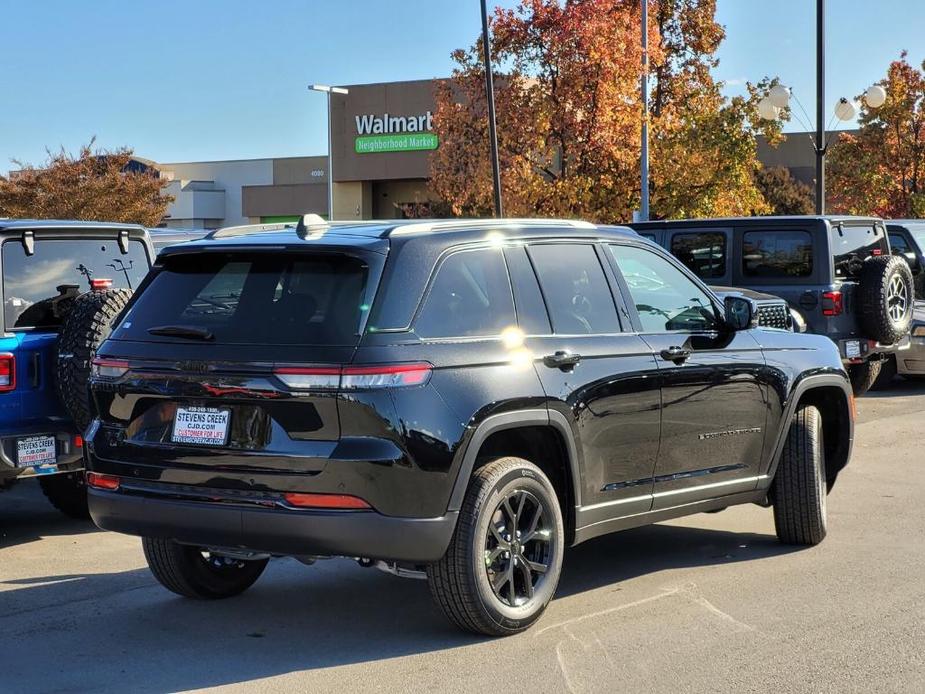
(329, 90)
(778, 98)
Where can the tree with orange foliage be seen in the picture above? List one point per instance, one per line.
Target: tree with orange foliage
(881, 169)
(92, 185)
(569, 117)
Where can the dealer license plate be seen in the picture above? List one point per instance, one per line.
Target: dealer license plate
(852, 349)
(202, 426)
(35, 450)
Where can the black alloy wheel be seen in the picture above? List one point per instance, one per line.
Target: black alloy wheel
(518, 546)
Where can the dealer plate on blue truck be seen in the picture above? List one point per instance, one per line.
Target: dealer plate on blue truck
(201, 426)
(35, 451)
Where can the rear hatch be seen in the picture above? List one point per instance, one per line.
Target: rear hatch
(39, 284)
(232, 361)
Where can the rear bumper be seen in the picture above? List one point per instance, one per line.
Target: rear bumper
(69, 457)
(277, 531)
(912, 361)
(853, 350)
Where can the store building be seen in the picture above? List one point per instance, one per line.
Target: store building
(382, 141)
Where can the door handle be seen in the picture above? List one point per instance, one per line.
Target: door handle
(561, 360)
(676, 354)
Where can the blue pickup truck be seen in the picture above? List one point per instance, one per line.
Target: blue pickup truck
(63, 282)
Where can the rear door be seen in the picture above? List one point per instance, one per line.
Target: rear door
(600, 378)
(236, 353)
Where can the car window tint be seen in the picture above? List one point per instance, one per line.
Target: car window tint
(470, 296)
(899, 244)
(295, 299)
(575, 289)
(38, 288)
(665, 298)
(777, 254)
(852, 245)
(703, 253)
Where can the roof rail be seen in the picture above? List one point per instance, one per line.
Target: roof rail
(243, 229)
(450, 224)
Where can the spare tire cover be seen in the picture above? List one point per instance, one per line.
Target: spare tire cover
(84, 329)
(885, 298)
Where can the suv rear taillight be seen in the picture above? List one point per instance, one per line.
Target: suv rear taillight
(7, 372)
(109, 368)
(354, 377)
(832, 303)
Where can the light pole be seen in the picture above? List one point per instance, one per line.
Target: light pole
(329, 90)
(644, 154)
(820, 107)
(492, 126)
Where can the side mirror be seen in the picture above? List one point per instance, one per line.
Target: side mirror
(912, 259)
(741, 313)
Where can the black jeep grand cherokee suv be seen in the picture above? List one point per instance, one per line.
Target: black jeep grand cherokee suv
(461, 399)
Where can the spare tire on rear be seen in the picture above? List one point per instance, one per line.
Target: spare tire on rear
(84, 329)
(885, 298)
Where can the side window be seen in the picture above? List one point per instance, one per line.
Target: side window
(531, 311)
(703, 253)
(665, 298)
(470, 296)
(575, 289)
(899, 244)
(777, 254)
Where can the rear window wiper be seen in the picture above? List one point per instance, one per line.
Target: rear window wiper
(189, 331)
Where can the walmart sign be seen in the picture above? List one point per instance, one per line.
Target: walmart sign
(386, 133)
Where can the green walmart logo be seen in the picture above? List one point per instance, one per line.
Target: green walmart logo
(388, 133)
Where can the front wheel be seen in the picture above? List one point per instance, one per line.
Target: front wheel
(800, 487)
(194, 572)
(503, 563)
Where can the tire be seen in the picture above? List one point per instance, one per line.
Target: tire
(888, 370)
(461, 582)
(885, 298)
(800, 487)
(184, 570)
(67, 493)
(84, 329)
(863, 375)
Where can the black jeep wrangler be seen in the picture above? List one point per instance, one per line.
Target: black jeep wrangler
(459, 401)
(837, 274)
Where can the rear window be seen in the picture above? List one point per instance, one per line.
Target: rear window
(255, 299)
(777, 254)
(38, 288)
(852, 245)
(704, 254)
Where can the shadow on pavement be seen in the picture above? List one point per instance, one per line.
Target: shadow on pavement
(898, 387)
(26, 516)
(296, 618)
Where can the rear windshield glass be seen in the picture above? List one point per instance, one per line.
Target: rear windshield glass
(38, 288)
(852, 245)
(777, 254)
(253, 299)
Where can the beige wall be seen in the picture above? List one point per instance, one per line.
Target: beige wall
(353, 200)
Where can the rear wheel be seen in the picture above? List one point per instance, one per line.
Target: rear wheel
(863, 375)
(888, 371)
(800, 486)
(503, 563)
(194, 572)
(67, 493)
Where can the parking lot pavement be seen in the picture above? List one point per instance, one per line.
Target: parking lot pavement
(710, 603)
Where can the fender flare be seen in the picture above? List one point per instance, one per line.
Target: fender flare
(801, 388)
(514, 420)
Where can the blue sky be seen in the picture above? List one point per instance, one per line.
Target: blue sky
(209, 79)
